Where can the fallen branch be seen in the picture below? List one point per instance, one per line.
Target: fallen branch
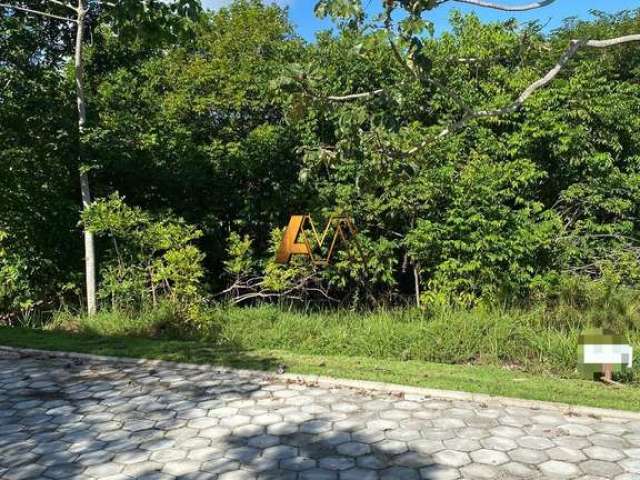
(531, 89)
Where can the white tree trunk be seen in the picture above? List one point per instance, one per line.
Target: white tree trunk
(89, 249)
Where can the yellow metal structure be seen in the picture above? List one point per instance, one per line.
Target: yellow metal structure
(296, 241)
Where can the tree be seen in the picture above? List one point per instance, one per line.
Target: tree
(124, 15)
(404, 38)
(200, 127)
(472, 211)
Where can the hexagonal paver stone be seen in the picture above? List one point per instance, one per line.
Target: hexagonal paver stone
(565, 454)
(24, 472)
(438, 472)
(368, 436)
(242, 454)
(353, 449)
(318, 474)
(462, 444)
(603, 453)
(137, 425)
(104, 470)
(261, 464)
(632, 452)
(220, 465)
(372, 462)
(518, 470)
(479, 471)
(336, 463)
(359, 474)
(526, 455)
(576, 430)
(399, 473)
(280, 452)
(345, 407)
(508, 432)
(413, 460)
(391, 447)
(132, 456)
(283, 428)
(315, 426)
(181, 467)
(203, 422)
(631, 465)
(235, 421)
(382, 425)
(298, 464)
(535, 443)
(577, 443)
(502, 444)
(237, 475)
(490, 457)
(558, 469)
(394, 414)
(403, 435)
(448, 423)
(606, 440)
(264, 441)
(267, 419)
(168, 455)
(63, 471)
(601, 468)
(451, 458)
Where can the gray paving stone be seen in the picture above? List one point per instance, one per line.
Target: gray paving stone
(336, 463)
(399, 473)
(489, 457)
(479, 471)
(135, 422)
(354, 449)
(601, 468)
(451, 458)
(462, 444)
(558, 469)
(318, 474)
(603, 453)
(528, 456)
(359, 474)
(298, 464)
(535, 443)
(438, 472)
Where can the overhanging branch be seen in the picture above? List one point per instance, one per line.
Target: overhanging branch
(506, 7)
(568, 54)
(36, 12)
(355, 96)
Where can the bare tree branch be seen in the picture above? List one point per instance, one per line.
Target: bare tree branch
(538, 84)
(355, 96)
(507, 8)
(62, 4)
(36, 12)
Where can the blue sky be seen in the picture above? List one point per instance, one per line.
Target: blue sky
(301, 12)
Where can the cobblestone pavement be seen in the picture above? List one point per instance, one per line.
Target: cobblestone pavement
(65, 419)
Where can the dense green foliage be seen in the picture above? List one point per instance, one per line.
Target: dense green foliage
(200, 147)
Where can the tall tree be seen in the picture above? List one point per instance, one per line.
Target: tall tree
(130, 17)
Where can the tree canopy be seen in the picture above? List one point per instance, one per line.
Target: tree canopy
(459, 194)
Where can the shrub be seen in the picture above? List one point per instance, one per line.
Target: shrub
(150, 258)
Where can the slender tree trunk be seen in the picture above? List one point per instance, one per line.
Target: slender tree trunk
(416, 282)
(89, 249)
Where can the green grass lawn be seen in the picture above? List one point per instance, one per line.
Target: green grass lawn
(479, 379)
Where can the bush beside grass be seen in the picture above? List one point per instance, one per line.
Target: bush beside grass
(535, 341)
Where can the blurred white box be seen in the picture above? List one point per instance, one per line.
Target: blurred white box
(608, 354)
